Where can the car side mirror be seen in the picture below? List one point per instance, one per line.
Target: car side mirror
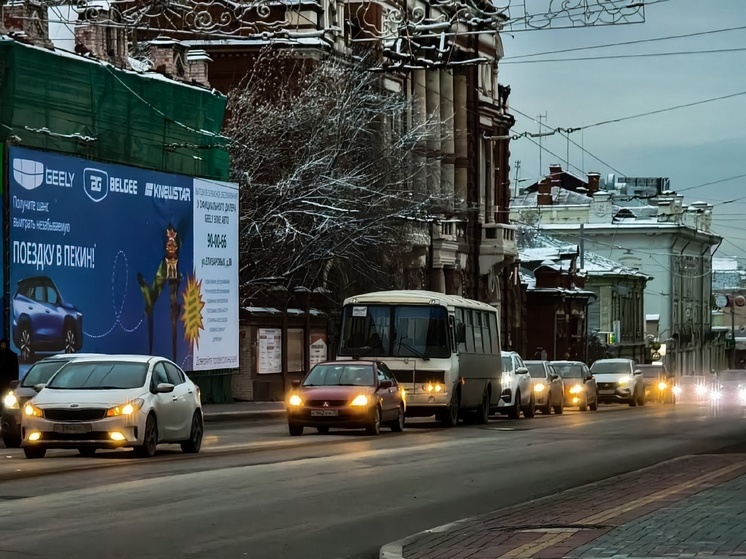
(554, 377)
(521, 371)
(461, 333)
(164, 388)
(295, 383)
(385, 384)
(13, 384)
(39, 387)
(638, 372)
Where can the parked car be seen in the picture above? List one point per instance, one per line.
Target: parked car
(658, 383)
(114, 401)
(22, 391)
(42, 320)
(619, 381)
(730, 388)
(347, 394)
(548, 388)
(580, 386)
(517, 394)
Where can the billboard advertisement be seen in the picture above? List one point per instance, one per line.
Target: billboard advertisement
(115, 259)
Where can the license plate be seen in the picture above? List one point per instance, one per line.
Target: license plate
(72, 428)
(324, 413)
(606, 392)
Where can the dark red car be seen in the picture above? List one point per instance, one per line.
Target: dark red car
(347, 394)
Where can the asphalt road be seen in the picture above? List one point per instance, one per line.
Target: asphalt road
(255, 492)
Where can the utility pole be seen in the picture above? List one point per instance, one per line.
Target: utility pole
(539, 119)
(517, 172)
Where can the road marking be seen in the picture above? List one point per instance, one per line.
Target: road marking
(551, 538)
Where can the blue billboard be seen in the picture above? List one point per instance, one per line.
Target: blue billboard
(102, 259)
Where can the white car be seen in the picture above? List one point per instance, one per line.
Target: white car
(517, 394)
(114, 401)
(617, 380)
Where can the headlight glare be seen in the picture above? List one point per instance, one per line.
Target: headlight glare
(32, 411)
(715, 394)
(361, 400)
(10, 401)
(125, 409)
(700, 390)
(295, 400)
(676, 390)
(662, 386)
(624, 380)
(577, 389)
(539, 387)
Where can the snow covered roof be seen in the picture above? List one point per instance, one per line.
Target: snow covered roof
(560, 197)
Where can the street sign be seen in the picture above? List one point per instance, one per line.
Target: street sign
(656, 356)
(721, 301)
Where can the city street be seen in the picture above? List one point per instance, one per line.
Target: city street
(255, 492)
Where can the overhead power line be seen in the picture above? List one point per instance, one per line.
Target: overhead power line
(618, 56)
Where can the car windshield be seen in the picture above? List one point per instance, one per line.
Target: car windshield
(535, 368)
(340, 375)
(651, 371)
(395, 331)
(610, 367)
(568, 370)
(732, 375)
(41, 372)
(100, 376)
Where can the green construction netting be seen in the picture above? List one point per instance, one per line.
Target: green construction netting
(133, 117)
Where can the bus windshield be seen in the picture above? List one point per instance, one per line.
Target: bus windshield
(395, 331)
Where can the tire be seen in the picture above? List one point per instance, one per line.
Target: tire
(530, 411)
(323, 430)
(33, 452)
(450, 417)
(583, 406)
(398, 425)
(546, 409)
(295, 430)
(560, 409)
(69, 340)
(633, 400)
(641, 400)
(515, 410)
(11, 441)
(87, 451)
(594, 405)
(194, 443)
(483, 413)
(25, 343)
(150, 439)
(374, 427)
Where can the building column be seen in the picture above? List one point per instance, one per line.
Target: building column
(437, 280)
(461, 145)
(433, 143)
(447, 142)
(419, 119)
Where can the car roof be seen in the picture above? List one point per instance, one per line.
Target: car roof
(124, 357)
(569, 362)
(613, 361)
(349, 362)
(533, 361)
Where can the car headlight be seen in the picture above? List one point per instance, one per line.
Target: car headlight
(432, 387)
(295, 400)
(662, 386)
(715, 395)
(10, 401)
(624, 380)
(539, 387)
(125, 409)
(700, 390)
(577, 389)
(32, 411)
(361, 400)
(676, 390)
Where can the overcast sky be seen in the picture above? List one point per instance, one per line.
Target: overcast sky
(691, 146)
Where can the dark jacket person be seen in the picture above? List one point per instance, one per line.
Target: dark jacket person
(8, 365)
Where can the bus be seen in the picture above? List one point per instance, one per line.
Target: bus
(443, 349)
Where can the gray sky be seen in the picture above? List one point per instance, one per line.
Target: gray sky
(692, 146)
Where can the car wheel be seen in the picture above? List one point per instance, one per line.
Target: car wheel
(515, 410)
(25, 343)
(530, 410)
(11, 441)
(641, 400)
(546, 409)
(33, 452)
(193, 445)
(87, 451)
(374, 427)
(560, 408)
(323, 430)
(295, 430)
(69, 339)
(483, 413)
(150, 439)
(398, 425)
(633, 400)
(450, 417)
(583, 406)
(594, 405)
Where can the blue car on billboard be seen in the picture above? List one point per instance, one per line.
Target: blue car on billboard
(43, 321)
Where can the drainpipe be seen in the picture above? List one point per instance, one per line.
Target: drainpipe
(681, 255)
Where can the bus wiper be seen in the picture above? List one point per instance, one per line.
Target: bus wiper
(417, 353)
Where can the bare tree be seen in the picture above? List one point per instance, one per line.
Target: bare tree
(331, 174)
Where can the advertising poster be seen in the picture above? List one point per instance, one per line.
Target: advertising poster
(270, 350)
(318, 348)
(114, 259)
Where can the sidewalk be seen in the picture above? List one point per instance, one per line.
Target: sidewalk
(244, 411)
(691, 507)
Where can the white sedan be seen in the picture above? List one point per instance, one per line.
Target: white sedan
(114, 401)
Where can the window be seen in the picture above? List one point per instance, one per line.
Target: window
(469, 331)
(494, 332)
(478, 346)
(52, 295)
(461, 320)
(486, 336)
(159, 375)
(40, 293)
(175, 376)
(100, 375)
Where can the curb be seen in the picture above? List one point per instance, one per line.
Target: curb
(395, 549)
(244, 415)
